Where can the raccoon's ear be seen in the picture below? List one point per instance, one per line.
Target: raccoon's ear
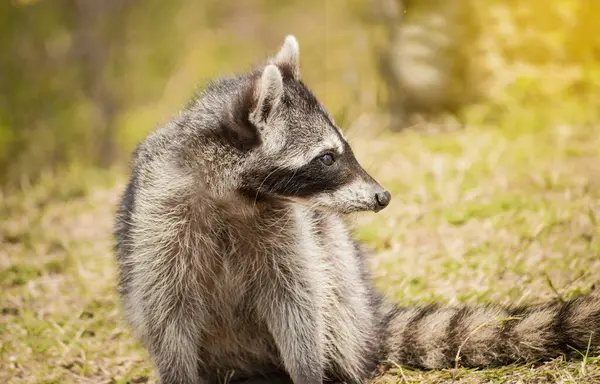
(288, 57)
(268, 91)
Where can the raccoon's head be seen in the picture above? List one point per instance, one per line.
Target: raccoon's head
(297, 152)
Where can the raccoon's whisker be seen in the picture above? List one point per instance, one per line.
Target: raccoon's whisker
(262, 183)
(290, 179)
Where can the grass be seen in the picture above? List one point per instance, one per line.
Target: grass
(477, 216)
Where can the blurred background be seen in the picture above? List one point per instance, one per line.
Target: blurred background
(482, 118)
(83, 81)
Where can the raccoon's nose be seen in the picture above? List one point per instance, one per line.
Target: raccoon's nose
(383, 199)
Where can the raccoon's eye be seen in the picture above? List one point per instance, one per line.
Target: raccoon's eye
(327, 159)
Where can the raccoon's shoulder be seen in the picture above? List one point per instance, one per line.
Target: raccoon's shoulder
(330, 227)
(335, 230)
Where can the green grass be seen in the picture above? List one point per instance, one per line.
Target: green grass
(477, 216)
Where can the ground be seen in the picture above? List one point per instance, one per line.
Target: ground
(478, 215)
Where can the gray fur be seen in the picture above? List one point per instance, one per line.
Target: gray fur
(227, 270)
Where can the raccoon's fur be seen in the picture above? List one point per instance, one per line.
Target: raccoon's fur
(235, 262)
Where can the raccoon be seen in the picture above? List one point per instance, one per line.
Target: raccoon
(235, 262)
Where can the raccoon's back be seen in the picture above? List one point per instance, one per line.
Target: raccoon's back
(149, 160)
(123, 228)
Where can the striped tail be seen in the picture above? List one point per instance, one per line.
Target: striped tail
(435, 337)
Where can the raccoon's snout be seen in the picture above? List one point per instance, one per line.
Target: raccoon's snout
(370, 194)
(383, 199)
